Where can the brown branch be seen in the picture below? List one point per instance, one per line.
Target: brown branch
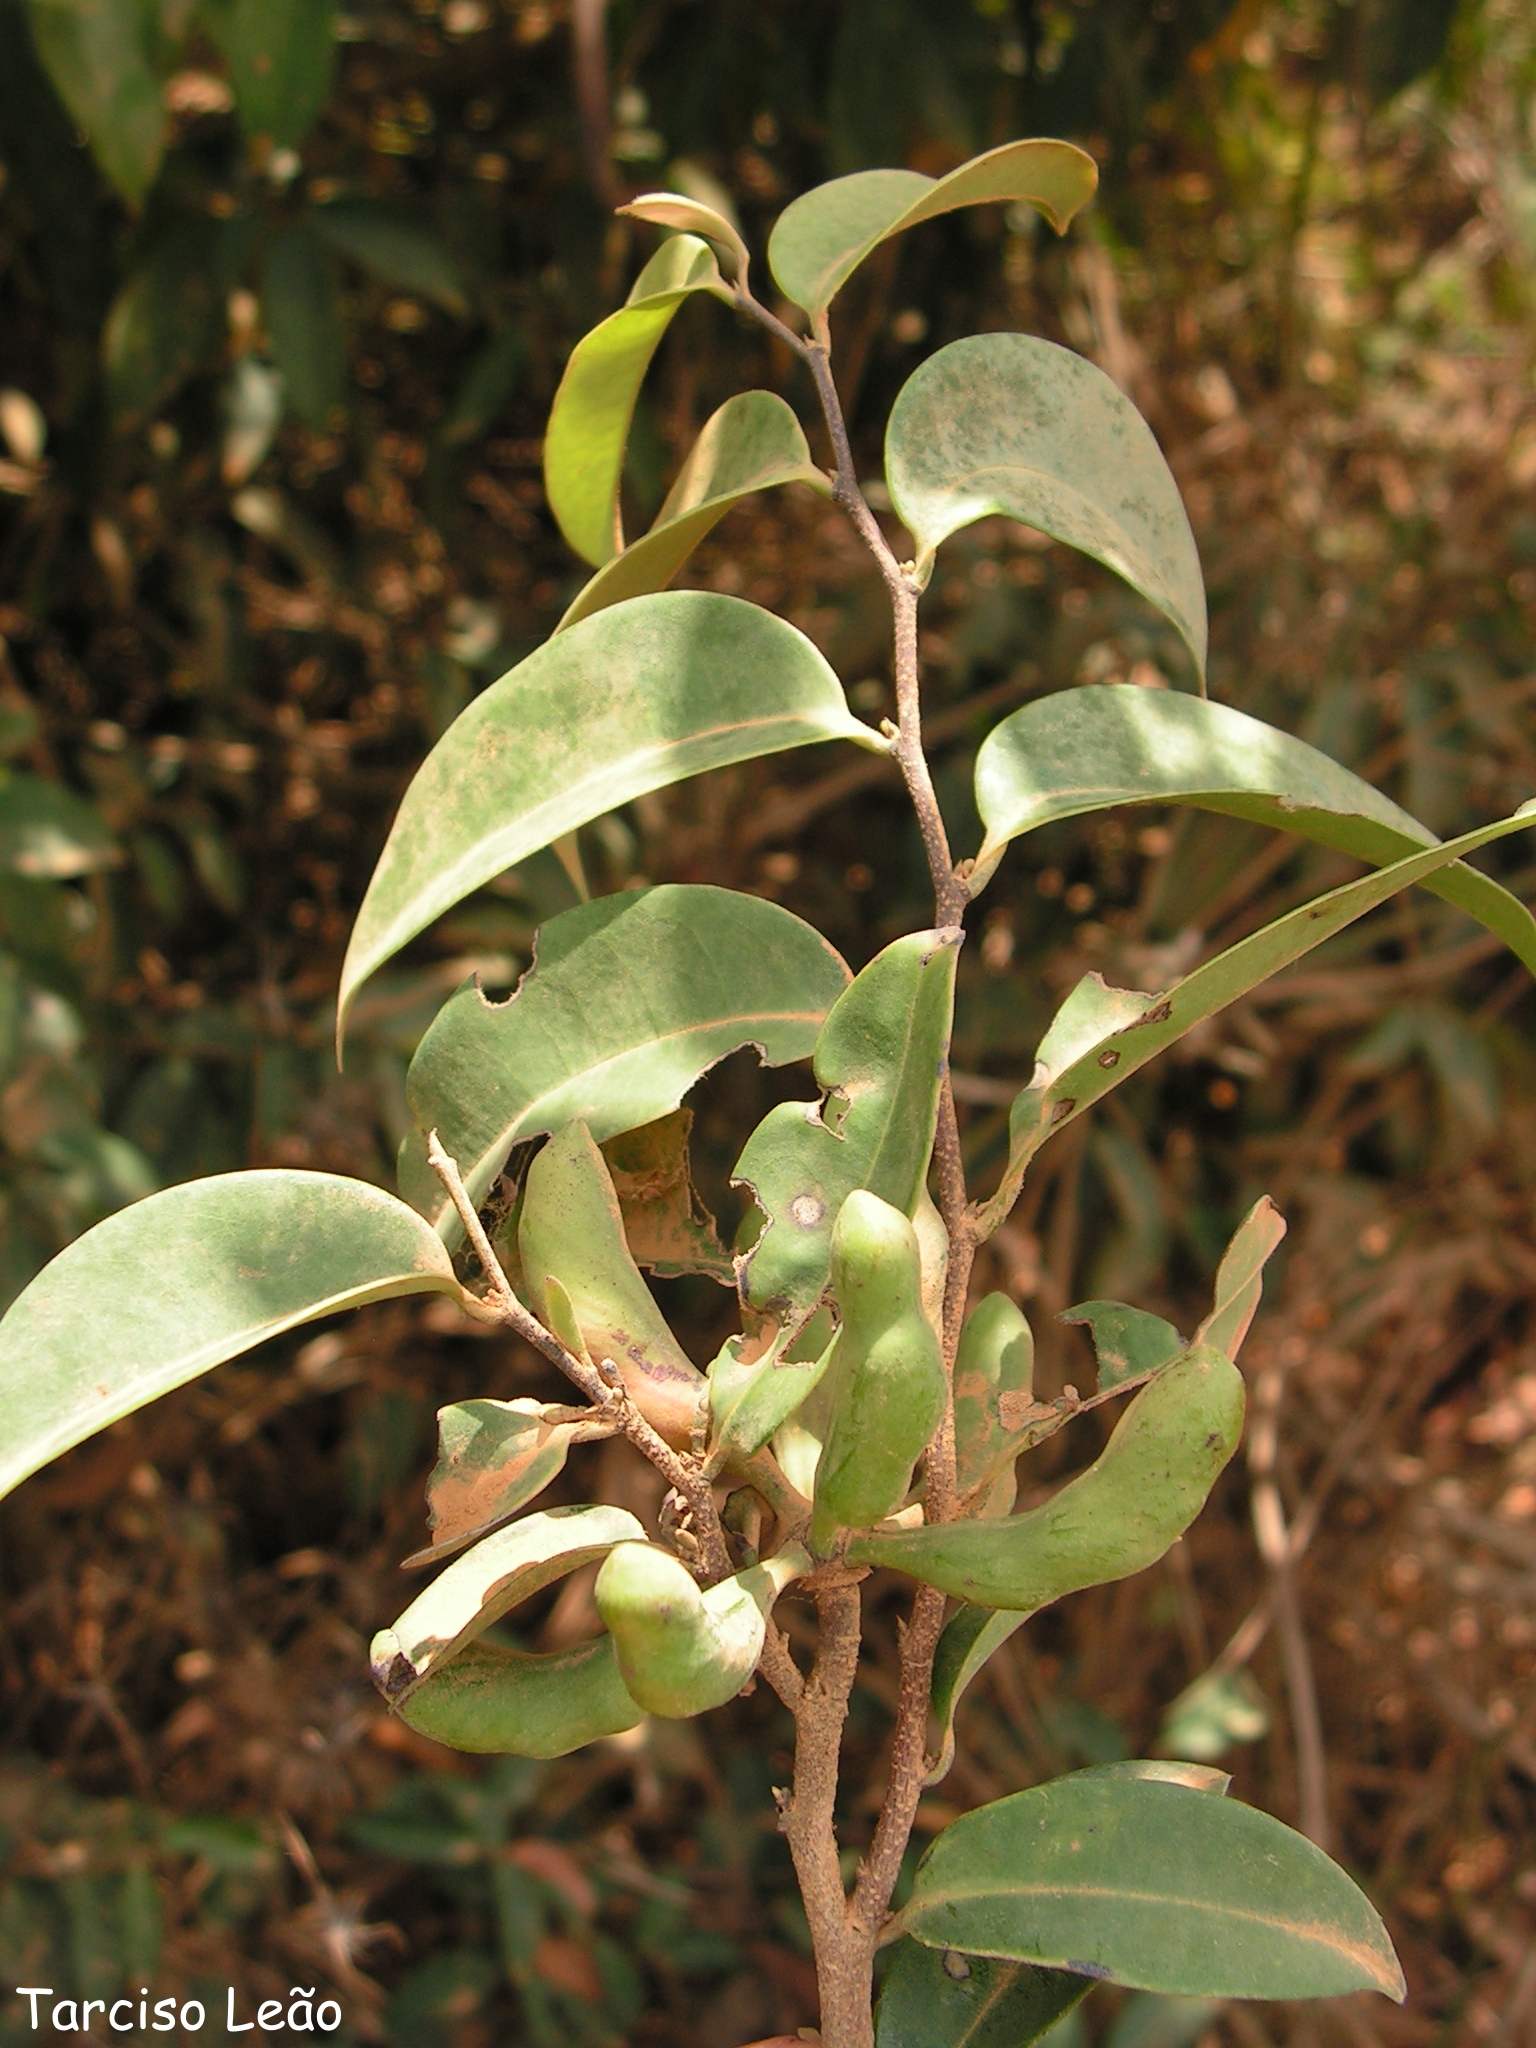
(684, 1475)
(909, 1764)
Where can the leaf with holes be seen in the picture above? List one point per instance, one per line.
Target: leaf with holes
(751, 444)
(822, 237)
(589, 420)
(637, 697)
(1009, 424)
(1153, 1885)
(185, 1279)
(629, 1000)
(1092, 749)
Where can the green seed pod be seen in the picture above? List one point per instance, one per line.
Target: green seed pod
(1118, 1517)
(996, 1356)
(888, 1376)
(572, 1234)
(496, 1702)
(682, 1650)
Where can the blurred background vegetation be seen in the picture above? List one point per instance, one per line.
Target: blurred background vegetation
(284, 293)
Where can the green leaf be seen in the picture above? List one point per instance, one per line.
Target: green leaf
(1012, 425)
(1128, 1342)
(397, 244)
(752, 443)
(487, 1582)
(1149, 2020)
(1240, 1278)
(589, 421)
(821, 238)
(301, 305)
(165, 323)
(1219, 1709)
(692, 217)
(99, 55)
(281, 55)
(666, 1226)
(629, 1000)
(49, 833)
(493, 1458)
(750, 1402)
(1133, 1028)
(938, 1998)
(1151, 1885)
(631, 700)
(1108, 744)
(183, 1280)
(488, 383)
(879, 1059)
(970, 1636)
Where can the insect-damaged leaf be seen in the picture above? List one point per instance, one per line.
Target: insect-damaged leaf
(493, 1457)
(629, 1000)
(879, 1057)
(637, 697)
(668, 1228)
(185, 1279)
(1012, 425)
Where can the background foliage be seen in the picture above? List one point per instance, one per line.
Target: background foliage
(272, 378)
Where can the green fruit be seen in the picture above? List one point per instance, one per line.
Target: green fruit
(578, 1271)
(496, 1702)
(1118, 1517)
(682, 1650)
(996, 1356)
(888, 1375)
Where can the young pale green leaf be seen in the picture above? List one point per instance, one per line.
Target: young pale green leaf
(183, 1280)
(629, 1000)
(589, 420)
(970, 1637)
(1152, 1885)
(49, 833)
(1219, 1709)
(1128, 1342)
(281, 55)
(99, 59)
(1108, 744)
(1120, 1516)
(692, 217)
(879, 1058)
(1138, 1027)
(489, 1581)
(752, 443)
(301, 305)
(749, 1403)
(632, 699)
(938, 1998)
(822, 237)
(1240, 1278)
(395, 243)
(1010, 424)
(493, 1458)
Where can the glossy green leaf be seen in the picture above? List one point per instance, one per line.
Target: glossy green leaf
(687, 216)
(99, 54)
(879, 1058)
(1108, 744)
(487, 1582)
(640, 696)
(1132, 1028)
(1120, 1516)
(629, 1000)
(1128, 1342)
(301, 305)
(752, 443)
(1240, 1278)
(183, 1280)
(49, 833)
(821, 238)
(589, 420)
(493, 1458)
(281, 55)
(166, 322)
(1009, 424)
(1151, 1885)
(397, 244)
(938, 1998)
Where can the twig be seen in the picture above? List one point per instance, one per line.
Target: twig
(909, 1764)
(685, 1475)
